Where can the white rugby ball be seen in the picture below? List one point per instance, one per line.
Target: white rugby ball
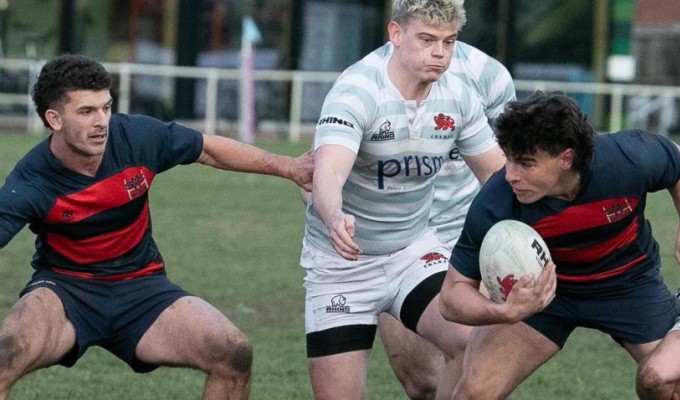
(510, 249)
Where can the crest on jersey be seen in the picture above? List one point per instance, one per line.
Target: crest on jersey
(137, 185)
(444, 122)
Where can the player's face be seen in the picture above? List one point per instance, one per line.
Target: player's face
(424, 50)
(82, 123)
(539, 175)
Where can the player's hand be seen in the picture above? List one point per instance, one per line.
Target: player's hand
(341, 231)
(531, 295)
(301, 170)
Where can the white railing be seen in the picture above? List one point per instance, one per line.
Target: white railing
(645, 96)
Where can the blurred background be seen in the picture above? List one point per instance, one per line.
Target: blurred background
(183, 59)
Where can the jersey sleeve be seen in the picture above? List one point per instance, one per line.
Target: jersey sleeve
(18, 205)
(501, 89)
(161, 145)
(476, 136)
(345, 110)
(656, 157)
(667, 168)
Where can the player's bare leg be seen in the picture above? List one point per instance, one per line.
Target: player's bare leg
(499, 358)
(339, 376)
(192, 333)
(416, 362)
(659, 373)
(35, 334)
(450, 337)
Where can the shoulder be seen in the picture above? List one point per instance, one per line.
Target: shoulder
(636, 143)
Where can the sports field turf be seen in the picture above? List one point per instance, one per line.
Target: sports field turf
(234, 239)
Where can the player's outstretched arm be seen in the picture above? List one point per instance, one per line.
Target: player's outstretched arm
(232, 155)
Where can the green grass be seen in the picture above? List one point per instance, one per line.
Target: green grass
(234, 239)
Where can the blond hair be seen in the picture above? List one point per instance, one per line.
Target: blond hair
(439, 12)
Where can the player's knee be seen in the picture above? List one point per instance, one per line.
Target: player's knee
(10, 350)
(420, 390)
(241, 354)
(472, 389)
(235, 353)
(653, 379)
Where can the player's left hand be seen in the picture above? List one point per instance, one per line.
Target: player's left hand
(301, 170)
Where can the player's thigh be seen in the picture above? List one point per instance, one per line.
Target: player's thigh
(407, 350)
(339, 376)
(192, 332)
(36, 332)
(500, 357)
(416, 362)
(405, 346)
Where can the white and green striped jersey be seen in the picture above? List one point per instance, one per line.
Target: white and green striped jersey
(456, 185)
(400, 146)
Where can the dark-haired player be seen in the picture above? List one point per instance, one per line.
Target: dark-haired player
(99, 278)
(585, 194)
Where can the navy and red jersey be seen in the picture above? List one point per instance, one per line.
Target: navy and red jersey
(96, 227)
(603, 232)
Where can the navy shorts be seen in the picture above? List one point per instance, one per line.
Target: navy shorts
(112, 315)
(640, 310)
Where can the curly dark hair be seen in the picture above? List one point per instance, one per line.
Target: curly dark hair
(63, 74)
(550, 122)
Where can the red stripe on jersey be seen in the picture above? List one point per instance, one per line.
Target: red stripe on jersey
(102, 247)
(602, 275)
(104, 195)
(586, 216)
(596, 251)
(149, 269)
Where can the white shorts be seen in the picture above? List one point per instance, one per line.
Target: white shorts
(340, 292)
(676, 327)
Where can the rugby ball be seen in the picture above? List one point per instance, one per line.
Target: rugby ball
(510, 249)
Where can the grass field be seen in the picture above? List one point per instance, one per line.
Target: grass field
(234, 239)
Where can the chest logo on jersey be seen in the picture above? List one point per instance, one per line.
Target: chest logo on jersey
(384, 133)
(617, 211)
(444, 122)
(136, 185)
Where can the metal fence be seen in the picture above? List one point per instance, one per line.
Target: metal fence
(610, 106)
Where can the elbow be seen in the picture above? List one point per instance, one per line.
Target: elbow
(447, 306)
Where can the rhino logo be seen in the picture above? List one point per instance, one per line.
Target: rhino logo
(338, 305)
(338, 301)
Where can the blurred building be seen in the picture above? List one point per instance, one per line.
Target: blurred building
(561, 40)
(656, 42)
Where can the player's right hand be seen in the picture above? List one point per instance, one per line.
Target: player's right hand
(341, 231)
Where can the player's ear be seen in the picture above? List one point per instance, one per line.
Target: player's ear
(53, 118)
(394, 30)
(567, 159)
